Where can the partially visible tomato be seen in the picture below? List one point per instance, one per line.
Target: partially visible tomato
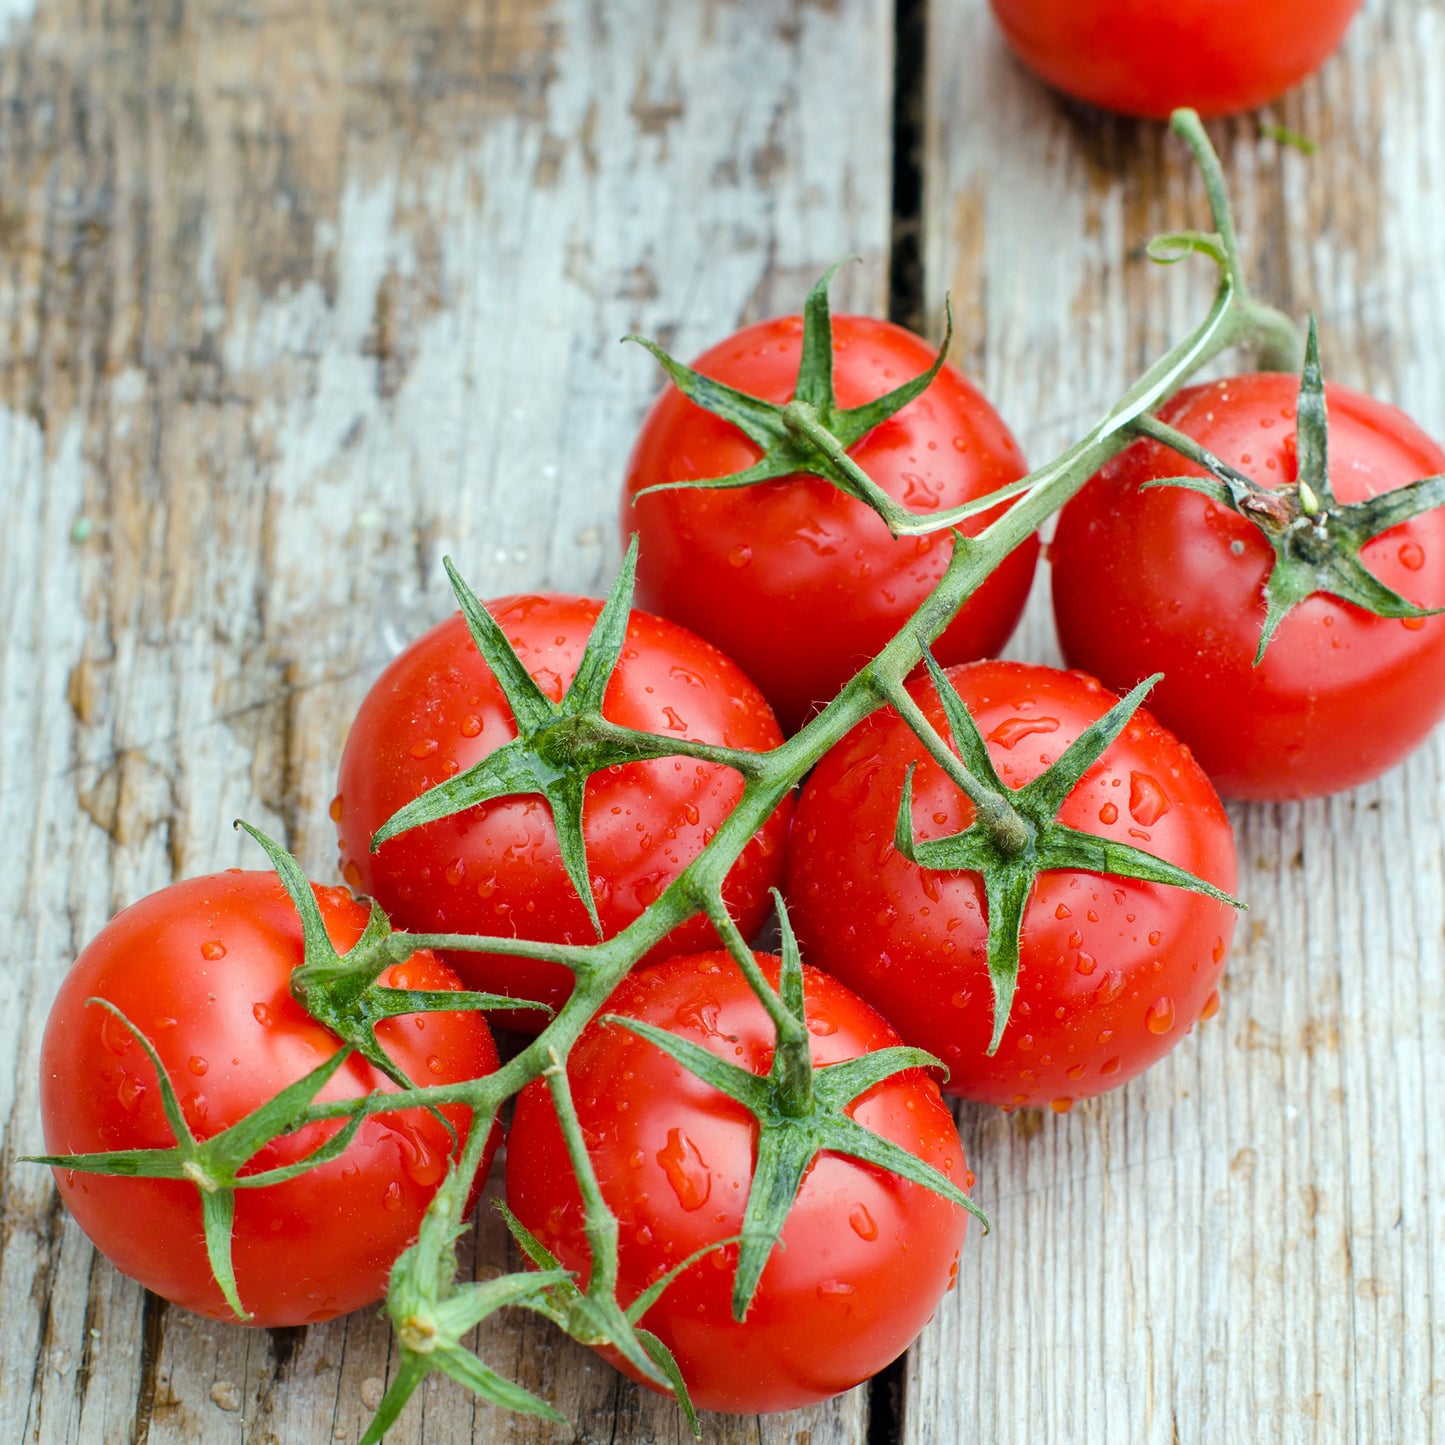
(864, 1257)
(202, 969)
(495, 869)
(1113, 972)
(1149, 57)
(797, 582)
(1168, 580)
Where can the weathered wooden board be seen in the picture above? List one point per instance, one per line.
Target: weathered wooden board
(294, 298)
(1245, 1244)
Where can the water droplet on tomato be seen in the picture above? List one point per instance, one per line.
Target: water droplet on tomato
(470, 726)
(131, 1090)
(391, 1197)
(1108, 814)
(1063, 911)
(114, 1034)
(740, 555)
(1160, 1015)
(1026, 1044)
(197, 1065)
(261, 1013)
(213, 949)
(833, 1289)
(962, 998)
(1086, 963)
(1076, 1072)
(1211, 1005)
(434, 1064)
(486, 887)
(676, 723)
(1110, 1066)
(1014, 730)
(456, 871)
(1412, 555)
(352, 873)
(1061, 1106)
(822, 1028)
(1154, 938)
(863, 1224)
(700, 1013)
(1147, 802)
(335, 809)
(685, 1170)
(424, 747)
(1412, 624)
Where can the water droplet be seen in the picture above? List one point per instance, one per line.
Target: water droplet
(352, 873)
(1154, 938)
(261, 1013)
(1218, 951)
(434, 1064)
(674, 722)
(700, 1013)
(822, 1028)
(335, 809)
(1086, 963)
(1160, 1015)
(391, 1197)
(833, 1289)
(1211, 1005)
(1077, 1072)
(1063, 911)
(1413, 624)
(962, 998)
(114, 1034)
(1147, 802)
(863, 1223)
(740, 555)
(486, 887)
(213, 949)
(456, 871)
(685, 1170)
(1061, 1106)
(197, 1065)
(131, 1090)
(1110, 1066)
(1108, 814)
(1026, 1044)
(1014, 730)
(960, 444)
(1412, 555)
(471, 726)
(424, 747)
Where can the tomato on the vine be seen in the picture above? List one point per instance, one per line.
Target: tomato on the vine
(201, 969)
(798, 582)
(864, 1255)
(1112, 971)
(495, 868)
(1148, 57)
(1166, 579)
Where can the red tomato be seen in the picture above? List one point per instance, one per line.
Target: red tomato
(202, 968)
(799, 583)
(1169, 580)
(1113, 972)
(495, 868)
(864, 1256)
(1146, 57)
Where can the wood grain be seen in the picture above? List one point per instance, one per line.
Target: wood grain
(1245, 1244)
(295, 298)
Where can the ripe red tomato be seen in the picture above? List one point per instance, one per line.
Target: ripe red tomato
(1169, 580)
(797, 582)
(864, 1256)
(495, 868)
(202, 968)
(1144, 57)
(1113, 971)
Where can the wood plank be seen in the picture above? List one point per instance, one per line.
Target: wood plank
(294, 298)
(1244, 1244)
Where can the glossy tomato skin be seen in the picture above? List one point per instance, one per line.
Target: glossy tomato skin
(1167, 580)
(1146, 58)
(495, 869)
(1113, 972)
(202, 968)
(865, 1256)
(797, 582)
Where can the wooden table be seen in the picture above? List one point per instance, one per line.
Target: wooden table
(297, 295)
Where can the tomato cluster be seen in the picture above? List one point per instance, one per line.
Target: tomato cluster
(734, 1173)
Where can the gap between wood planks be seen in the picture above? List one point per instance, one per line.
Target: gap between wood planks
(906, 307)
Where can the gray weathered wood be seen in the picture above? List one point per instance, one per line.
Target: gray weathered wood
(1244, 1244)
(294, 298)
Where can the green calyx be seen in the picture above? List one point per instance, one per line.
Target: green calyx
(214, 1165)
(801, 1112)
(1016, 834)
(1316, 539)
(558, 745)
(341, 990)
(811, 434)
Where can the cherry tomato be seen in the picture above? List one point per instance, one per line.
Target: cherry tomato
(1113, 972)
(1144, 57)
(1169, 580)
(864, 1256)
(495, 868)
(201, 969)
(797, 582)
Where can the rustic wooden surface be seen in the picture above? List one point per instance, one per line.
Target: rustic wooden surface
(296, 296)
